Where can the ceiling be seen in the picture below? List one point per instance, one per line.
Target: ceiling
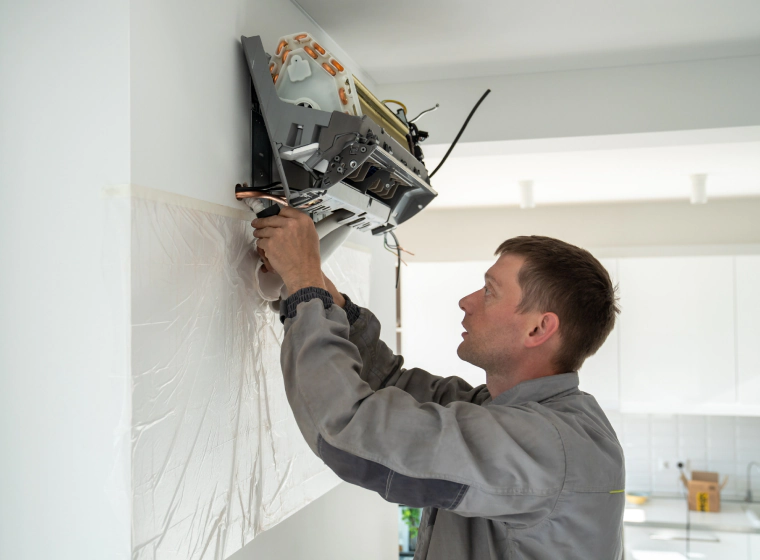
(621, 175)
(399, 41)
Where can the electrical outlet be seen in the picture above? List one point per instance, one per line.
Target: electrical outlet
(667, 464)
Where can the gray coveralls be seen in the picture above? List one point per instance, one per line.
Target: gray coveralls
(536, 473)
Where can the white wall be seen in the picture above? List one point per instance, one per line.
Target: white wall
(64, 109)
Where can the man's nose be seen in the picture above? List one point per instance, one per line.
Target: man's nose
(464, 303)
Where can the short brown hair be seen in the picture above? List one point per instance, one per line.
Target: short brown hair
(564, 279)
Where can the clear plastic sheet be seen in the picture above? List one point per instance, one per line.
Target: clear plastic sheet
(216, 456)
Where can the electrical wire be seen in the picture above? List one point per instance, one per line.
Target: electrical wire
(461, 130)
(384, 101)
(397, 249)
(426, 111)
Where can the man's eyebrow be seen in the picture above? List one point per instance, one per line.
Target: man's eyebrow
(492, 279)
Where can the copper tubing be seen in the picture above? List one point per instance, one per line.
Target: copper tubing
(280, 46)
(337, 65)
(301, 36)
(285, 55)
(310, 52)
(277, 199)
(329, 69)
(320, 50)
(274, 78)
(271, 68)
(343, 96)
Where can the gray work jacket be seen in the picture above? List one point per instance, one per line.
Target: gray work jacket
(536, 473)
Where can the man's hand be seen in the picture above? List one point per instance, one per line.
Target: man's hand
(291, 245)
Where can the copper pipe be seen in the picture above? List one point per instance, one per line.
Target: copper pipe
(277, 199)
(279, 47)
(337, 65)
(343, 96)
(320, 50)
(285, 55)
(310, 52)
(301, 36)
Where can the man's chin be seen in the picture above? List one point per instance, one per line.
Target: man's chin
(462, 351)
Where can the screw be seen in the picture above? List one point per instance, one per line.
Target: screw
(352, 164)
(341, 169)
(419, 206)
(363, 149)
(336, 158)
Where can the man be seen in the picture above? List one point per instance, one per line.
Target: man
(525, 466)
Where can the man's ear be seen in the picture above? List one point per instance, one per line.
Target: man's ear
(547, 326)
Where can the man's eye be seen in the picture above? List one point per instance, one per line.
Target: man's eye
(487, 291)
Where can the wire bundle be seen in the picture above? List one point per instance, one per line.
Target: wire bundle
(396, 249)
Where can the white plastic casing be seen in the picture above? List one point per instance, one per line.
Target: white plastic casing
(305, 73)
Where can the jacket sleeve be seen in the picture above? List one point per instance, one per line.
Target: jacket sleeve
(503, 463)
(382, 368)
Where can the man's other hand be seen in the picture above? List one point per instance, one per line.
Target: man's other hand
(291, 245)
(338, 298)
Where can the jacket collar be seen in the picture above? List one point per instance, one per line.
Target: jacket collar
(537, 390)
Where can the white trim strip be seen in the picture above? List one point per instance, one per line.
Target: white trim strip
(146, 193)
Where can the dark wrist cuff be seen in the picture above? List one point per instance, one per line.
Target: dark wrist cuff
(352, 310)
(288, 307)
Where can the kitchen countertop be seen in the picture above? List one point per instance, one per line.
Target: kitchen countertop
(670, 513)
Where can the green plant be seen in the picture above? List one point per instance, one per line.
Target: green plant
(411, 516)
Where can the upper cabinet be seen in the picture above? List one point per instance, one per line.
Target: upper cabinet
(748, 329)
(677, 337)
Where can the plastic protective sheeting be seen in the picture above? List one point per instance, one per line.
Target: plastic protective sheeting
(216, 456)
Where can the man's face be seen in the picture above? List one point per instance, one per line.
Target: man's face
(494, 329)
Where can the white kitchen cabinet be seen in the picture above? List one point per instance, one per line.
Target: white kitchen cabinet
(748, 329)
(677, 345)
(706, 545)
(599, 374)
(754, 547)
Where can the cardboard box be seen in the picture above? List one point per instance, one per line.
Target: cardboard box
(704, 490)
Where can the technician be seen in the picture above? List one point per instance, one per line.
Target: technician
(526, 466)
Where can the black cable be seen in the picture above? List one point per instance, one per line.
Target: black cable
(269, 186)
(461, 130)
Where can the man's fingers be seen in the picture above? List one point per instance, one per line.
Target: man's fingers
(263, 233)
(271, 221)
(289, 212)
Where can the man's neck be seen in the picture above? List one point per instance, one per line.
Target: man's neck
(499, 383)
